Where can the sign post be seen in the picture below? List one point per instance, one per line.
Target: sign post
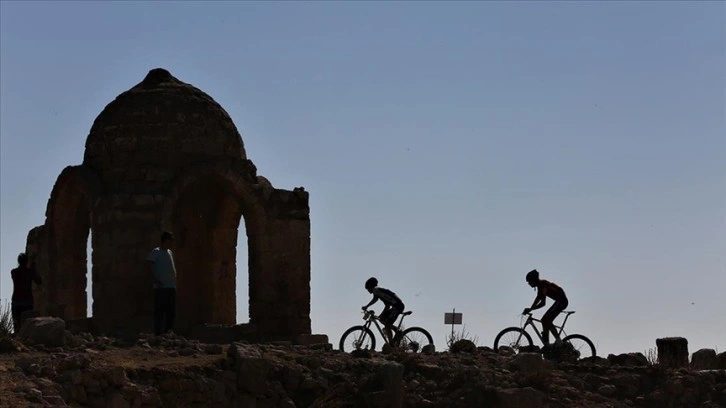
(452, 319)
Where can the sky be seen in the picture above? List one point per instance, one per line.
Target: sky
(448, 148)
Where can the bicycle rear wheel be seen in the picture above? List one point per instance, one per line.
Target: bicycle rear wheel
(514, 338)
(357, 338)
(415, 340)
(581, 344)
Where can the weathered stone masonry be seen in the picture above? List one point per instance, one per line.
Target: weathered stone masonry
(165, 155)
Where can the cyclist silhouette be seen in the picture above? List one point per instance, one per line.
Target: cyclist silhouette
(546, 289)
(393, 305)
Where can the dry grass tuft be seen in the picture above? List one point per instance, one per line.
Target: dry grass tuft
(6, 319)
(455, 337)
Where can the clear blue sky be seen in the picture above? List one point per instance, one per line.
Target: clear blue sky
(448, 148)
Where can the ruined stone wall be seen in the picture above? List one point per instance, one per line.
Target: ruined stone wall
(164, 156)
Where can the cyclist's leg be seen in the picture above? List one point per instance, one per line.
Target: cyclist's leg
(385, 318)
(396, 311)
(548, 319)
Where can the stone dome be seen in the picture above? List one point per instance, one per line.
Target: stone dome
(161, 121)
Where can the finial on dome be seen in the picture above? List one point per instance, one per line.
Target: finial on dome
(157, 76)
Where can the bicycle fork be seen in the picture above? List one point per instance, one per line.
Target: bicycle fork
(363, 334)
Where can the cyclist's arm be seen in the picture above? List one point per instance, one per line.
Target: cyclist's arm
(538, 304)
(539, 301)
(374, 300)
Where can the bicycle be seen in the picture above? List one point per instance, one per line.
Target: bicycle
(413, 339)
(517, 337)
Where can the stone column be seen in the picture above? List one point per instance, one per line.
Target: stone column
(280, 268)
(280, 288)
(672, 352)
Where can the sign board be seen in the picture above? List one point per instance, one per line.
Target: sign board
(452, 318)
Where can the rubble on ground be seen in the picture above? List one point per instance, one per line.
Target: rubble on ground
(172, 371)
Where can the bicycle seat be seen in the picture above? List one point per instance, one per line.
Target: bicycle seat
(407, 313)
(569, 312)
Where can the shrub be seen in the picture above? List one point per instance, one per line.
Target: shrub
(6, 319)
(458, 341)
(652, 356)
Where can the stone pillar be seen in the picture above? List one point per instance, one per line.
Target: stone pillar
(672, 352)
(280, 268)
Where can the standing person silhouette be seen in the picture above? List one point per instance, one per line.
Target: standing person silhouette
(160, 264)
(23, 277)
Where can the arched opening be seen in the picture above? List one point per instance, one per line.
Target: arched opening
(71, 229)
(205, 222)
(89, 275)
(243, 291)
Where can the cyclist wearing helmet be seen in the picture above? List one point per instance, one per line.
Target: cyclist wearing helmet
(546, 289)
(393, 305)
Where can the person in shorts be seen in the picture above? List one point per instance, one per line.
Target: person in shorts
(546, 289)
(393, 305)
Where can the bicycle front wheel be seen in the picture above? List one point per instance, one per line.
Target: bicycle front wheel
(581, 344)
(357, 338)
(414, 340)
(514, 338)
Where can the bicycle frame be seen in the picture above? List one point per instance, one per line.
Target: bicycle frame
(530, 322)
(370, 317)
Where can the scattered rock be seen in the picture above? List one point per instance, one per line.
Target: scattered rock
(520, 398)
(361, 353)
(506, 351)
(213, 349)
(607, 390)
(299, 376)
(628, 359)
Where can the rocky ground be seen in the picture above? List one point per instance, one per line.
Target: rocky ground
(170, 371)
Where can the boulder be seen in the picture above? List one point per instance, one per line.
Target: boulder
(463, 346)
(560, 352)
(704, 359)
(721, 361)
(48, 331)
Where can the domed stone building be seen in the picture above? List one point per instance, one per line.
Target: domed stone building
(165, 156)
